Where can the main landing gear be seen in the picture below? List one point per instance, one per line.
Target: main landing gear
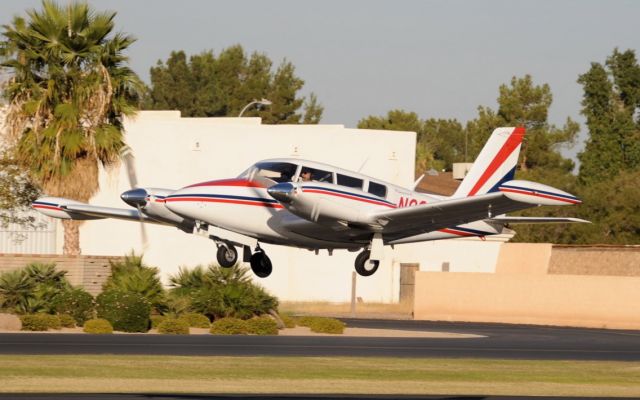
(260, 264)
(364, 265)
(227, 256)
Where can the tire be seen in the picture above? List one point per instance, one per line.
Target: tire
(227, 256)
(261, 264)
(363, 267)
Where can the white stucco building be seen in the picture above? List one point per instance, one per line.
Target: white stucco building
(172, 152)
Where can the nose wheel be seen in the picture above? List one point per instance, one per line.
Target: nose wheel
(227, 255)
(260, 264)
(365, 266)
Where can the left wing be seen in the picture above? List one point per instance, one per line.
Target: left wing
(536, 220)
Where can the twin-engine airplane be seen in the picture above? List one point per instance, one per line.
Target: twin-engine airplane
(316, 206)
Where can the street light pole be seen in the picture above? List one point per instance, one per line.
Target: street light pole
(263, 102)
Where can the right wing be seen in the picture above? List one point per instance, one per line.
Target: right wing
(535, 220)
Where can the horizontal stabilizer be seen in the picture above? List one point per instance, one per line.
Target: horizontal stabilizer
(536, 220)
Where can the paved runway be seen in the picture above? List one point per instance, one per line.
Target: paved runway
(501, 341)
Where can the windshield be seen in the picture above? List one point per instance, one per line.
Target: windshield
(273, 171)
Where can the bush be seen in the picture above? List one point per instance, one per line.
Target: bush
(67, 321)
(229, 326)
(262, 326)
(128, 312)
(174, 326)
(196, 320)
(322, 324)
(76, 302)
(157, 320)
(288, 320)
(98, 326)
(34, 322)
(53, 321)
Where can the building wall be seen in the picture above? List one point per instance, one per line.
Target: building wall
(524, 289)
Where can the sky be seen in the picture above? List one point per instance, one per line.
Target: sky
(440, 59)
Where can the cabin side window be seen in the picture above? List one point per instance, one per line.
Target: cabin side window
(349, 181)
(308, 174)
(273, 171)
(377, 189)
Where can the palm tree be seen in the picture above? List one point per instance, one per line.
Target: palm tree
(69, 92)
(15, 289)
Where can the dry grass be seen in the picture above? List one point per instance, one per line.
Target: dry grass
(319, 308)
(154, 374)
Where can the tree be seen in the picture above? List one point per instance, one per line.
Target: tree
(610, 103)
(210, 86)
(16, 194)
(69, 91)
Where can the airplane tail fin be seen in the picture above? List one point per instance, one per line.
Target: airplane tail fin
(495, 164)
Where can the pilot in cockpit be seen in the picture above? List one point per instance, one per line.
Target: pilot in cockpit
(305, 176)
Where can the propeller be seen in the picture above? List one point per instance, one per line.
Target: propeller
(136, 197)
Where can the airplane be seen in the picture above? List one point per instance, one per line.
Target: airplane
(311, 205)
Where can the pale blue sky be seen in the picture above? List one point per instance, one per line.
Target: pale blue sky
(438, 58)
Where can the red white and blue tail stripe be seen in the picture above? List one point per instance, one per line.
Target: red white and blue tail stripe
(495, 164)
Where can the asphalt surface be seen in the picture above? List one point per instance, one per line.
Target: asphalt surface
(501, 341)
(125, 396)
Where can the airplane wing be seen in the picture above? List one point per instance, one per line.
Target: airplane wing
(110, 212)
(535, 220)
(409, 221)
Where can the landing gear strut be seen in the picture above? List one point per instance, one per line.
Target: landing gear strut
(227, 255)
(364, 266)
(260, 264)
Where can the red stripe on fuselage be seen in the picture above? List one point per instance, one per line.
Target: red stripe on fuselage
(508, 147)
(229, 182)
(229, 201)
(346, 196)
(546, 196)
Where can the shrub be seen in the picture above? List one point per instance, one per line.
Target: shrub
(67, 321)
(132, 275)
(262, 326)
(325, 325)
(229, 326)
(76, 302)
(34, 322)
(196, 320)
(157, 320)
(128, 312)
(305, 321)
(288, 320)
(53, 321)
(98, 326)
(174, 326)
(229, 292)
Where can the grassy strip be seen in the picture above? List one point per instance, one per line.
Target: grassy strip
(316, 375)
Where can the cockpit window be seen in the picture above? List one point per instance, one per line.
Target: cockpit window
(274, 171)
(312, 174)
(350, 181)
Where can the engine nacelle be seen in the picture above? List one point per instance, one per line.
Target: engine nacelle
(151, 202)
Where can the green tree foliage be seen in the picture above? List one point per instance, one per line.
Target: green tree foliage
(610, 103)
(207, 85)
(77, 303)
(131, 275)
(69, 90)
(17, 192)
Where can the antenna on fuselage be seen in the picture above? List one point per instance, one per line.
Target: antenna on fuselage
(363, 164)
(417, 182)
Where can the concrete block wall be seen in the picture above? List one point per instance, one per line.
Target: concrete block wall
(89, 272)
(539, 284)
